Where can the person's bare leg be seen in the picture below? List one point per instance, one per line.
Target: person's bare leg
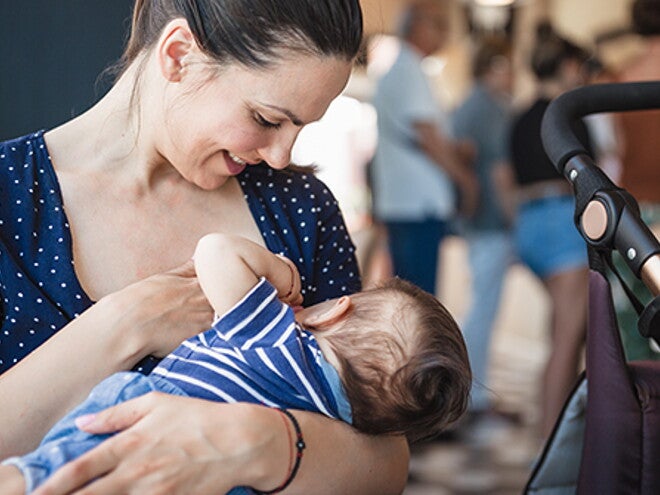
(569, 295)
(11, 481)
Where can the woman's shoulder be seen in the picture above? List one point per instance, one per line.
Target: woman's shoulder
(16, 148)
(293, 174)
(25, 168)
(294, 184)
(25, 165)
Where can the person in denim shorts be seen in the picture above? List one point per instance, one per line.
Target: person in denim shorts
(545, 236)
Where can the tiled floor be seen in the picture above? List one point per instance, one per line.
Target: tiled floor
(494, 457)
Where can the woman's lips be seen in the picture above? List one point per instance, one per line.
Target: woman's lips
(233, 167)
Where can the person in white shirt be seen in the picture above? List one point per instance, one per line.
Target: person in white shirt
(418, 176)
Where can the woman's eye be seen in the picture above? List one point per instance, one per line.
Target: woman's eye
(265, 123)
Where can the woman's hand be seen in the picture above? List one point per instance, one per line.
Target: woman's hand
(149, 317)
(175, 445)
(161, 311)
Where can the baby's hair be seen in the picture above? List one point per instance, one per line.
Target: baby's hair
(414, 385)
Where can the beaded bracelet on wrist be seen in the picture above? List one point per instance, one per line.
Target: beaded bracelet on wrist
(299, 445)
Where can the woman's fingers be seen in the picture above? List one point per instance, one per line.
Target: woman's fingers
(185, 270)
(173, 445)
(164, 309)
(75, 475)
(112, 467)
(119, 417)
(106, 458)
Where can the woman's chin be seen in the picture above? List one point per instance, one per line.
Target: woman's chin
(212, 183)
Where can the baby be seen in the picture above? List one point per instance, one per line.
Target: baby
(389, 360)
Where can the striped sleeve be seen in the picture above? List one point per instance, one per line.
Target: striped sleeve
(260, 319)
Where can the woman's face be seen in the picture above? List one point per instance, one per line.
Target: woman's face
(217, 126)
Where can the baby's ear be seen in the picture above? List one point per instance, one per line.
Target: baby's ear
(323, 316)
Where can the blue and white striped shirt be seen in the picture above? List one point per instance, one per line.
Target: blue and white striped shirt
(258, 353)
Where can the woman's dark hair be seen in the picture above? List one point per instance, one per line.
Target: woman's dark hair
(646, 17)
(551, 51)
(251, 32)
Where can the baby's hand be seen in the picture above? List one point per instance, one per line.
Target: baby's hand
(291, 295)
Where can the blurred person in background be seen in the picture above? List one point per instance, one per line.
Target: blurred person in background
(545, 236)
(604, 129)
(484, 119)
(417, 168)
(640, 171)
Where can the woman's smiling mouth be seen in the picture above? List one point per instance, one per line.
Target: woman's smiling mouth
(235, 165)
(238, 160)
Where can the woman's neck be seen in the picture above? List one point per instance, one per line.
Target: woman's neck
(112, 135)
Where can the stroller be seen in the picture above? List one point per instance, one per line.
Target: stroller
(607, 438)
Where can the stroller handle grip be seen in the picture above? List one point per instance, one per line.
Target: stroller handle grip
(624, 230)
(559, 140)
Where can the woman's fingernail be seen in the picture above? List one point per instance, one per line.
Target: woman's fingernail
(82, 421)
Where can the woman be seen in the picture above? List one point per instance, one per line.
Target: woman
(208, 90)
(545, 236)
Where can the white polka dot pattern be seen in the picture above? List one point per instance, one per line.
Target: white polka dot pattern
(40, 292)
(295, 212)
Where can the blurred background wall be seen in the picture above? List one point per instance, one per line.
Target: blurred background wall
(52, 54)
(600, 26)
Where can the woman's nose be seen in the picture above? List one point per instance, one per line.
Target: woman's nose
(277, 153)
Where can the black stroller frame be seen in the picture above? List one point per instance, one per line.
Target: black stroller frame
(607, 439)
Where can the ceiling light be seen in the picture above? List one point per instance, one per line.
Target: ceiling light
(494, 3)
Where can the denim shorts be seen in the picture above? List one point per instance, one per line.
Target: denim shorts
(546, 237)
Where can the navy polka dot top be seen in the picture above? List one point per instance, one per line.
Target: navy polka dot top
(295, 212)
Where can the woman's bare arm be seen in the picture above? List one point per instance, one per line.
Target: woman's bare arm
(353, 463)
(169, 444)
(150, 317)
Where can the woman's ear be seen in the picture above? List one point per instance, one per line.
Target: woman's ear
(175, 45)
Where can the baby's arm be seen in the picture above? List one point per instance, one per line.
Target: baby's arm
(229, 266)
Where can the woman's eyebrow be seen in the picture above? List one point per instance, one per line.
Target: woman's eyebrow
(296, 120)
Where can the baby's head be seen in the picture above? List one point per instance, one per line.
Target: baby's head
(401, 357)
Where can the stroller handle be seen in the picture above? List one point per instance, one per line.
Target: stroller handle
(559, 140)
(599, 202)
